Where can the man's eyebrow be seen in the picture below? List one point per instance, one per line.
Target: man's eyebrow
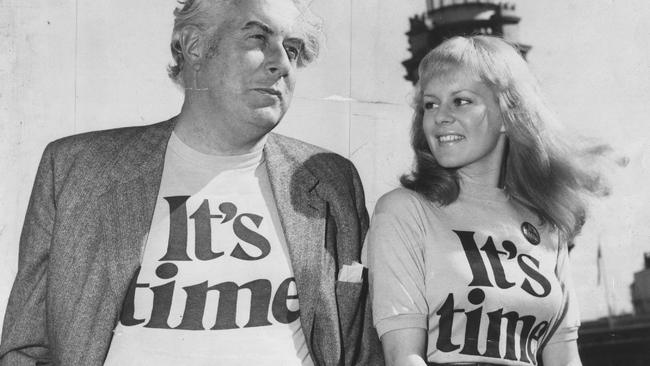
(254, 23)
(266, 29)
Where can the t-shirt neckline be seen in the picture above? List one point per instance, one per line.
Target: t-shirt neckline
(210, 161)
(480, 191)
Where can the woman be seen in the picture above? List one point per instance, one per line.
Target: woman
(469, 261)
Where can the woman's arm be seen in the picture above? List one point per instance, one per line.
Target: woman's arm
(562, 348)
(397, 286)
(404, 347)
(561, 354)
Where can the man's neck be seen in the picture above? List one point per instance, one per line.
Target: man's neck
(207, 133)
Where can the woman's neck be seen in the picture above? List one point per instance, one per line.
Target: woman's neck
(487, 171)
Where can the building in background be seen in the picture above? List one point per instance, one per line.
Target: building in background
(624, 339)
(445, 19)
(640, 288)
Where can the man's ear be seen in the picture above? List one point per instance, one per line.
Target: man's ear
(190, 41)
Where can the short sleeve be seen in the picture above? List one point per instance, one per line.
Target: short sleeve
(569, 315)
(396, 263)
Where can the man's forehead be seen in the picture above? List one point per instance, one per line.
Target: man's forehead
(270, 16)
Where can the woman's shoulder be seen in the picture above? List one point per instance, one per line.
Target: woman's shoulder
(402, 200)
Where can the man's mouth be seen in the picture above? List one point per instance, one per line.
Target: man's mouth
(269, 91)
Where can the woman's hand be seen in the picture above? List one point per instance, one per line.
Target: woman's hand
(404, 347)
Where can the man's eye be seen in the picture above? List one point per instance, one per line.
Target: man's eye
(429, 105)
(292, 52)
(461, 101)
(260, 37)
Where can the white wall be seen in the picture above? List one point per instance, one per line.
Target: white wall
(70, 66)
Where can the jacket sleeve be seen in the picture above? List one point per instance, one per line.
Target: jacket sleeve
(24, 334)
(367, 348)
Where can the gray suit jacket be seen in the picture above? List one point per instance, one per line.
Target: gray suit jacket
(92, 202)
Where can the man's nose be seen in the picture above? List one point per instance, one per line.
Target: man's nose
(277, 60)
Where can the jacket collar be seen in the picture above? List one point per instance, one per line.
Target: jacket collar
(303, 214)
(129, 201)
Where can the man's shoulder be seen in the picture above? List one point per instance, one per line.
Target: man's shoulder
(319, 160)
(296, 147)
(104, 139)
(90, 153)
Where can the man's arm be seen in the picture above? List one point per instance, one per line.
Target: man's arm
(370, 352)
(24, 335)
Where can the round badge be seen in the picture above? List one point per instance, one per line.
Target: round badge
(530, 233)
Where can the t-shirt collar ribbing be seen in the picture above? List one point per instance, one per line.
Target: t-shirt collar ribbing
(196, 157)
(473, 189)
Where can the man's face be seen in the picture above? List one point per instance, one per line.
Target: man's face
(251, 75)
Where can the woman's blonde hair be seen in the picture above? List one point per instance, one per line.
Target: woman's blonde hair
(541, 172)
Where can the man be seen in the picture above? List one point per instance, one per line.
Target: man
(205, 239)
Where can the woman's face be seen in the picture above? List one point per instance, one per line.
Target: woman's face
(462, 122)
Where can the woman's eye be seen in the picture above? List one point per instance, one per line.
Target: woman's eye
(461, 101)
(430, 105)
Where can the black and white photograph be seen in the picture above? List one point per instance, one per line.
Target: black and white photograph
(325, 182)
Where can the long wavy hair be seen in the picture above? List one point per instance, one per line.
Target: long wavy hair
(541, 171)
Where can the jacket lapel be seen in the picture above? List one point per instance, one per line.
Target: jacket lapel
(129, 202)
(303, 216)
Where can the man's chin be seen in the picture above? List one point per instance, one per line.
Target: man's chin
(267, 118)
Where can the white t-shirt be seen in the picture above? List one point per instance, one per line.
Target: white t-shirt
(482, 275)
(216, 284)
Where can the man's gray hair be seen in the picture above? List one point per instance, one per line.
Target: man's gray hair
(202, 15)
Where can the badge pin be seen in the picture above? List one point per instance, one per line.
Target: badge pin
(530, 233)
